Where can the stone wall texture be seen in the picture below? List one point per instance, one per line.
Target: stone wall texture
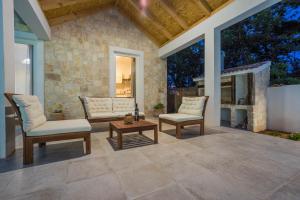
(259, 115)
(77, 61)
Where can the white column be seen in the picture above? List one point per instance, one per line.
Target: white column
(7, 72)
(212, 73)
(38, 71)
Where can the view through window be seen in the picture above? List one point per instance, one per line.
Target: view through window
(23, 66)
(125, 76)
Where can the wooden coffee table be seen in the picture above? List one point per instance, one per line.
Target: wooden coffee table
(137, 126)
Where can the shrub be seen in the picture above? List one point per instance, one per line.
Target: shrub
(159, 106)
(295, 136)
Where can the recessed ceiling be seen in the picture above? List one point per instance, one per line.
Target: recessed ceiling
(162, 20)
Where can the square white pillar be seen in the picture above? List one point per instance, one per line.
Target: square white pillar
(7, 69)
(212, 77)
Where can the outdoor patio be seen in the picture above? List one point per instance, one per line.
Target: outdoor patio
(85, 68)
(223, 164)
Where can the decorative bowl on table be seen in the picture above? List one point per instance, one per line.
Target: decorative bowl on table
(128, 119)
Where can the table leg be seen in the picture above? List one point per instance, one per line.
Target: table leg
(110, 131)
(140, 132)
(155, 135)
(120, 141)
(178, 131)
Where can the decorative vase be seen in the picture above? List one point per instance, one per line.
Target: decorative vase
(128, 119)
(157, 112)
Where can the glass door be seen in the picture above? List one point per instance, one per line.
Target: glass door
(23, 69)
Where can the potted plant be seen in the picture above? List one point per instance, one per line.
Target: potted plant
(57, 112)
(158, 109)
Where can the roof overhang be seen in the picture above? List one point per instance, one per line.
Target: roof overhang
(33, 16)
(234, 12)
(255, 70)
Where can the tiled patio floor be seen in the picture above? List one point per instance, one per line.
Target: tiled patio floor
(224, 164)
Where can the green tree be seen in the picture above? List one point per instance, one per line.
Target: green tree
(272, 34)
(186, 65)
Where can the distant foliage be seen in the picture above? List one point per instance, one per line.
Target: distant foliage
(186, 65)
(279, 75)
(272, 34)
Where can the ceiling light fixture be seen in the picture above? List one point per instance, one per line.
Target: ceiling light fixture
(143, 5)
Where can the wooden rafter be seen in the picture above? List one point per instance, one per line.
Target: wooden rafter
(138, 24)
(170, 10)
(204, 6)
(152, 19)
(77, 14)
(162, 21)
(54, 4)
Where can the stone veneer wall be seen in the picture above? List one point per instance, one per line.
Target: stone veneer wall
(77, 61)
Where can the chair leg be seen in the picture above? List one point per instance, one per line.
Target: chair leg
(42, 144)
(110, 131)
(178, 131)
(28, 152)
(202, 128)
(159, 125)
(87, 140)
(24, 150)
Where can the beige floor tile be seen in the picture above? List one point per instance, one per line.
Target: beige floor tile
(205, 184)
(105, 187)
(223, 164)
(34, 178)
(54, 193)
(160, 153)
(87, 168)
(143, 180)
(172, 192)
(290, 190)
(180, 168)
(125, 159)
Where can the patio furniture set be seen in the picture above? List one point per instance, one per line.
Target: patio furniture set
(36, 129)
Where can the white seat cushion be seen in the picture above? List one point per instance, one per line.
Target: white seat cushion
(111, 115)
(62, 126)
(178, 117)
(97, 105)
(103, 115)
(122, 114)
(192, 105)
(123, 105)
(32, 113)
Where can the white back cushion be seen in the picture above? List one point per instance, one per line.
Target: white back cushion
(123, 105)
(31, 111)
(192, 105)
(97, 105)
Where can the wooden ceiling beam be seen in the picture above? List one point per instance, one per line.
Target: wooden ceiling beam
(203, 4)
(48, 5)
(171, 11)
(138, 25)
(117, 3)
(76, 15)
(152, 19)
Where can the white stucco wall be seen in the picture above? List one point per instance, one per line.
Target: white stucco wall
(7, 72)
(284, 108)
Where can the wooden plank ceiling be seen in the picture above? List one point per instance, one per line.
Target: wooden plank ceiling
(162, 20)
